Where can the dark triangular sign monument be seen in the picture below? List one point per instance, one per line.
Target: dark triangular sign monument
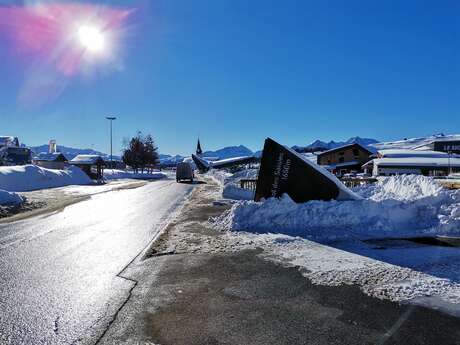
(282, 170)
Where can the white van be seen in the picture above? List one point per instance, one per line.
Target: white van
(184, 171)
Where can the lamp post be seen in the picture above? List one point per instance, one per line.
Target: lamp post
(111, 118)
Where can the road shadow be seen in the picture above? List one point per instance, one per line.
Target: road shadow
(195, 182)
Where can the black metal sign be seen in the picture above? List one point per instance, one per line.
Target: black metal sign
(283, 170)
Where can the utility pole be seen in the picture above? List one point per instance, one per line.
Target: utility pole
(111, 118)
(449, 171)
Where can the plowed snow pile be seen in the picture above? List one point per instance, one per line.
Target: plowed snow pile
(399, 206)
(32, 177)
(9, 198)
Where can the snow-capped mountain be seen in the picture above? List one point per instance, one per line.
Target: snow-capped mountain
(229, 152)
(170, 160)
(69, 152)
(319, 145)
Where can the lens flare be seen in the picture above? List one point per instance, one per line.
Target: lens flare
(91, 38)
(58, 41)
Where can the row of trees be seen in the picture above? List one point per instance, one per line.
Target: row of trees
(140, 153)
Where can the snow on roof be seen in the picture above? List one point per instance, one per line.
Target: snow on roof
(50, 157)
(416, 161)
(405, 153)
(413, 143)
(7, 140)
(87, 159)
(233, 159)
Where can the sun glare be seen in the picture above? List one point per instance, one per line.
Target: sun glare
(91, 38)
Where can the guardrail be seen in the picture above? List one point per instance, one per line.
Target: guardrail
(248, 183)
(351, 182)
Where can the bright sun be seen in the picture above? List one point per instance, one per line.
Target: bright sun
(91, 38)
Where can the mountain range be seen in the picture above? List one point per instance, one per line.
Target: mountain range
(69, 152)
(319, 145)
(241, 150)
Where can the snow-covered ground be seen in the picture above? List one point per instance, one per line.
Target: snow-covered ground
(361, 242)
(400, 206)
(114, 174)
(32, 177)
(9, 198)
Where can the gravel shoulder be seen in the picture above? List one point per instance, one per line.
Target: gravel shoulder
(194, 286)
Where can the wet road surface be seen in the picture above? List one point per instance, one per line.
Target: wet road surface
(58, 272)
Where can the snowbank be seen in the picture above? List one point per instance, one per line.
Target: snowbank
(9, 198)
(114, 174)
(399, 206)
(402, 187)
(31, 177)
(231, 183)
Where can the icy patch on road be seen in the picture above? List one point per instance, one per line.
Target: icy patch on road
(401, 206)
(115, 174)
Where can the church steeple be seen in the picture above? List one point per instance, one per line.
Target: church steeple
(199, 151)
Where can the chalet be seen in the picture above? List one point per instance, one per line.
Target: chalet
(92, 165)
(11, 153)
(419, 162)
(344, 159)
(54, 160)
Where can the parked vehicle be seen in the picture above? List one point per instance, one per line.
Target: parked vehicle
(184, 171)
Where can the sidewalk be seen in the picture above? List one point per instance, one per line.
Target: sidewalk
(193, 286)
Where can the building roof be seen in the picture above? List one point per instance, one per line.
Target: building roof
(345, 147)
(416, 162)
(448, 138)
(405, 153)
(7, 140)
(51, 157)
(87, 160)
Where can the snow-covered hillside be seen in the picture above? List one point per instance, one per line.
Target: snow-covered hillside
(412, 143)
(69, 152)
(170, 160)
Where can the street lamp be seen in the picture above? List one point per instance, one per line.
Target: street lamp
(111, 118)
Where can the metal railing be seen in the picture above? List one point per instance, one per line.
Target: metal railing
(248, 183)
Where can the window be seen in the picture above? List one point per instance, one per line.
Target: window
(355, 152)
(341, 159)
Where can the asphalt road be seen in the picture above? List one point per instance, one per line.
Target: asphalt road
(58, 272)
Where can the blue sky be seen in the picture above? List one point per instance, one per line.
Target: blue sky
(237, 71)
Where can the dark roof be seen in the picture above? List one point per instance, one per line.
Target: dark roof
(340, 148)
